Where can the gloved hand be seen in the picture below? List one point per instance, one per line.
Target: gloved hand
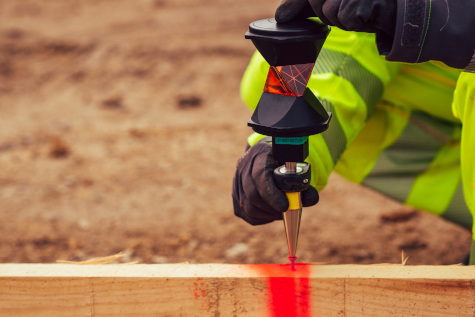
(371, 16)
(256, 198)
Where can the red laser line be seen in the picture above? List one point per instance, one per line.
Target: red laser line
(288, 291)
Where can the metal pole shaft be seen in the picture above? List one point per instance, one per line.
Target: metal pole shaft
(290, 167)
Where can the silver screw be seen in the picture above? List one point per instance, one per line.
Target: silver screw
(305, 181)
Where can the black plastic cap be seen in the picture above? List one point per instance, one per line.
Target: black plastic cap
(296, 31)
(293, 43)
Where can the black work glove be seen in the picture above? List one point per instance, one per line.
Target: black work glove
(256, 198)
(371, 16)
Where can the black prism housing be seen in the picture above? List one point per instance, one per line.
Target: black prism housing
(280, 115)
(293, 43)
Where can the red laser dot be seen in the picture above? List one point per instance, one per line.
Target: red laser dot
(292, 261)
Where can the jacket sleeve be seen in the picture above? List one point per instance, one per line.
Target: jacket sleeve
(349, 79)
(463, 107)
(432, 30)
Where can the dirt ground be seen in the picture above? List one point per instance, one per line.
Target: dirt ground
(121, 123)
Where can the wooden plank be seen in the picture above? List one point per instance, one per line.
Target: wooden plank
(236, 290)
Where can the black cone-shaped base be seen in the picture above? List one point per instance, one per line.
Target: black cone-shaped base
(286, 116)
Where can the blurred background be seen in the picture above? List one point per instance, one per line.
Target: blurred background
(120, 126)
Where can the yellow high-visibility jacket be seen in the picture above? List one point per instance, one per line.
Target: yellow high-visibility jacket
(392, 129)
(464, 108)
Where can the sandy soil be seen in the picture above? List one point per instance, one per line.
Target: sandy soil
(120, 126)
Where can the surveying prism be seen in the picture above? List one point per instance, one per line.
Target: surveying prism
(287, 110)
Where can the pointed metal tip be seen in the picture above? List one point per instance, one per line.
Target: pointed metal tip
(292, 227)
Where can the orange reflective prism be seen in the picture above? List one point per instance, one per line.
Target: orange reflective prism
(275, 84)
(296, 76)
(289, 80)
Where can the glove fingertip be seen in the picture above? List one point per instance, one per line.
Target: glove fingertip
(290, 10)
(280, 201)
(282, 15)
(276, 198)
(310, 197)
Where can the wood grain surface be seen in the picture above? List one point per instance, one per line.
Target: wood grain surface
(235, 290)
